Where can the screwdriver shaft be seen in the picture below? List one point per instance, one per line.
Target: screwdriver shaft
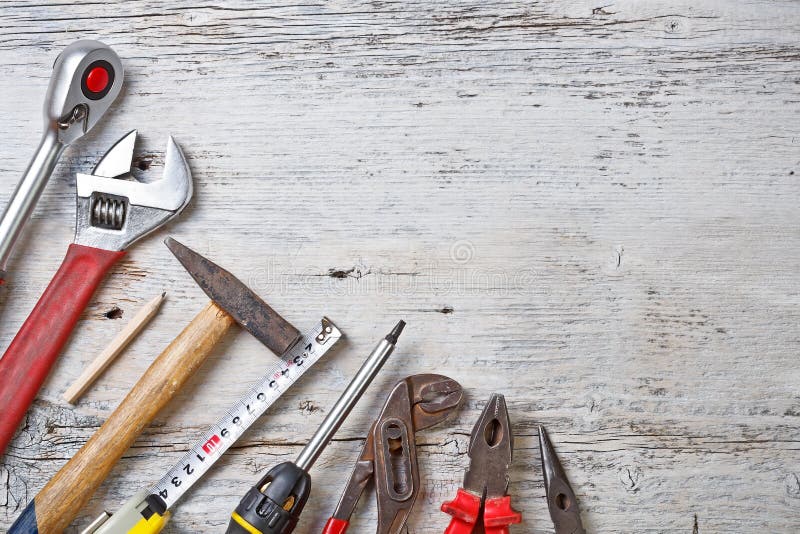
(348, 400)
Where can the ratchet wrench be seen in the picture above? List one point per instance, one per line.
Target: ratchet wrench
(87, 78)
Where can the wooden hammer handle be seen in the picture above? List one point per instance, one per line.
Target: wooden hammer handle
(72, 487)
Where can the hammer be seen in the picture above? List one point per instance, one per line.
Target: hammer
(57, 504)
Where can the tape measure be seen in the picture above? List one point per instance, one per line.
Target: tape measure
(147, 511)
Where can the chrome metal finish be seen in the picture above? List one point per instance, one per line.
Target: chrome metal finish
(113, 212)
(108, 212)
(117, 159)
(95, 525)
(68, 115)
(172, 192)
(27, 193)
(64, 93)
(78, 114)
(345, 404)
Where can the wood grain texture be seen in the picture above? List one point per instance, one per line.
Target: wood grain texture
(74, 484)
(129, 332)
(590, 208)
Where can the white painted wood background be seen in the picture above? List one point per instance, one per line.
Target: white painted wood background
(590, 208)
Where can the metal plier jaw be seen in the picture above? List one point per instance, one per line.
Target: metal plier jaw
(389, 454)
(113, 211)
(561, 501)
(486, 480)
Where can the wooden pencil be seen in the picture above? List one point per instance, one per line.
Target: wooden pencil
(120, 341)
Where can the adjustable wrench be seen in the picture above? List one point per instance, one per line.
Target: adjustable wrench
(112, 213)
(87, 78)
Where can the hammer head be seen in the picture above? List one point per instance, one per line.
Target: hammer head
(230, 294)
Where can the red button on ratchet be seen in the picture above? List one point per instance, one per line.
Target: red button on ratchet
(97, 79)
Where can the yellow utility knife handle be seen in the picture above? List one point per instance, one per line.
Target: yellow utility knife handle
(129, 519)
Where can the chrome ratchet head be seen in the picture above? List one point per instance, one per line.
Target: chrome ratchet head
(114, 210)
(87, 78)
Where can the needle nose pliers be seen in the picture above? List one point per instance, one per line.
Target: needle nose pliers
(561, 501)
(482, 504)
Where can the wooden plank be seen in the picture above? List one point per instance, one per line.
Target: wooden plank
(590, 208)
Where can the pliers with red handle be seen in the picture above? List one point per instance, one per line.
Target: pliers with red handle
(486, 480)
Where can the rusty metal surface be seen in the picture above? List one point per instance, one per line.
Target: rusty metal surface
(247, 308)
(389, 453)
(491, 448)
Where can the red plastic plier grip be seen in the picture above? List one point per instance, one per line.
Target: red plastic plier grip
(466, 507)
(335, 526)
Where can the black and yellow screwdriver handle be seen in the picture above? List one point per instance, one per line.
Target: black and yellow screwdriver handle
(272, 506)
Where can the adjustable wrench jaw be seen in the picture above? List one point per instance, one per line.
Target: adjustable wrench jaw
(113, 212)
(87, 78)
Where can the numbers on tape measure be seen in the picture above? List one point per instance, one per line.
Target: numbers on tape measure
(222, 435)
(211, 444)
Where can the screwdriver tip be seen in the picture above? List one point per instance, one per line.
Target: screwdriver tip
(396, 331)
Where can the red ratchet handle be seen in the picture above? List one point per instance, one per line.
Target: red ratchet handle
(465, 509)
(27, 361)
(335, 526)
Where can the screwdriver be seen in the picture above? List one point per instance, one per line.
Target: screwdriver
(273, 506)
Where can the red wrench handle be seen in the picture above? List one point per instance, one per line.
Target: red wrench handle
(27, 361)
